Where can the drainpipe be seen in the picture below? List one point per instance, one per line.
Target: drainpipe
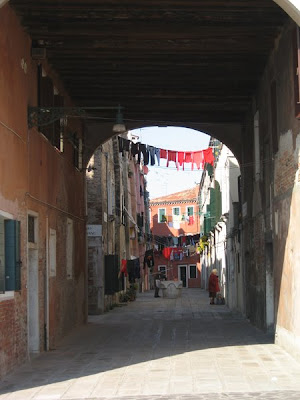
(46, 323)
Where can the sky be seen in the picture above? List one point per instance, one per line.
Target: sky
(162, 180)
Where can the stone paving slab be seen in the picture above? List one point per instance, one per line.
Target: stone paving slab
(157, 348)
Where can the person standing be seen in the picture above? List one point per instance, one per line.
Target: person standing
(213, 285)
(157, 278)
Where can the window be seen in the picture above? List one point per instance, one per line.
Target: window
(48, 96)
(163, 269)
(31, 229)
(176, 211)
(162, 215)
(190, 211)
(10, 263)
(193, 271)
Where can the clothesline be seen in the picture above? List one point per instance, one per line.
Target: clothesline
(153, 154)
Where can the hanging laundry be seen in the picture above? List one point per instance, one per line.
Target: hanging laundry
(134, 149)
(124, 267)
(191, 220)
(131, 271)
(180, 158)
(137, 270)
(167, 252)
(157, 153)
(163, 153)
(145, 151)
(198, 159)
(149, 258)
(172, 156)
(188, 158)
(208, 156)
(152, 154)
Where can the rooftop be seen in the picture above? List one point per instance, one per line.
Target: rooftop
(185, 195)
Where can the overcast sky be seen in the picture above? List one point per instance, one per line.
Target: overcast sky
(164, 180)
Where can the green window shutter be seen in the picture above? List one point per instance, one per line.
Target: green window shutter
(218, 200)
(213, 206)
(190, 211)
(210, 169)
(207, 222)
(12, 255)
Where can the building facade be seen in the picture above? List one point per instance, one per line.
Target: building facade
(42, 222)
(220, 208)
(175, 229)
(118, 224)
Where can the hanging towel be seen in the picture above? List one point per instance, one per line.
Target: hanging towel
(172, 156)
(180, 156)
(208, 156)
(163, 153)
(198, 159)
(188, 158)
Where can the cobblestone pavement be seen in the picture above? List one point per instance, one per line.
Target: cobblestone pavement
(160, 349)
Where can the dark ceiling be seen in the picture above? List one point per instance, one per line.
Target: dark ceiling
(178, 60)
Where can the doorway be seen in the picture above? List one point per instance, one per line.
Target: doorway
(33, 302)
(182, 274)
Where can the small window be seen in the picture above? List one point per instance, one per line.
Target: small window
(190, 211)
(31, 229)
(193, 272)
(163, 269)
(10, 263)
(176, 210)
(162, 215)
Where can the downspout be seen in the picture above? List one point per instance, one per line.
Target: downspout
(46, 323)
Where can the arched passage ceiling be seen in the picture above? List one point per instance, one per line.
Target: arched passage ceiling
(175, 61)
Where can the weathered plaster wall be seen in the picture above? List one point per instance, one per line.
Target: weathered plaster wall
(271, 222)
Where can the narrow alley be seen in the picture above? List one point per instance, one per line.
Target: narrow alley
(158, 348)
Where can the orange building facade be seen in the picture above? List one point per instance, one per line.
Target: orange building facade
(175, 228)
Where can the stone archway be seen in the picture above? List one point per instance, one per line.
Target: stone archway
(291, 7)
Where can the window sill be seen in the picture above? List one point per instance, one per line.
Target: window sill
(7, 296)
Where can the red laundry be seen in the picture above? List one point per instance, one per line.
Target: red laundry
(208, 156)
(124, 267)
(198, 159)
(172, 156)
(163, 153)
(191, 220)
(180, 157)
(189, 158)
(167, 252)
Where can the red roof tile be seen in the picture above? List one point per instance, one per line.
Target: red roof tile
(189, 194)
